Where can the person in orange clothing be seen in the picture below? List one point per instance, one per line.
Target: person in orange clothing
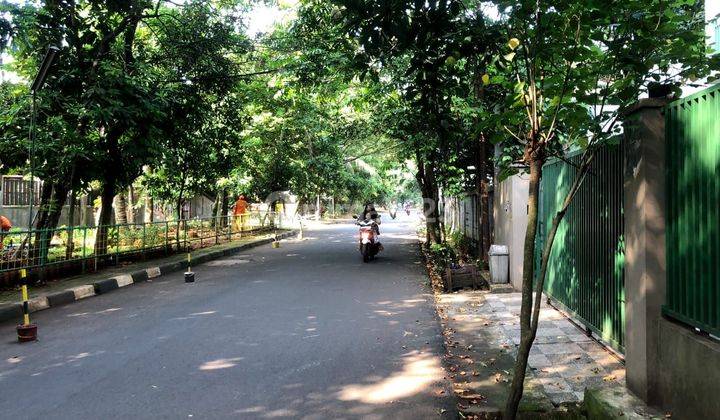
(239, 211)
(5, 226)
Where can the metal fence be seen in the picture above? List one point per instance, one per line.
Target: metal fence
(586, 268)
(693, 210)
(43, 248)
(461, 214)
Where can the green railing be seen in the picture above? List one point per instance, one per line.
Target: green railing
(23, 249)
(585, 274)
(692, 129)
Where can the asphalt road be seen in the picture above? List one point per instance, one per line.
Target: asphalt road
(304, 331)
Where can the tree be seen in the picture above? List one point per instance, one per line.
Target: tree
(105, 110)
(203, 47)
(572, 67)
(430, 52)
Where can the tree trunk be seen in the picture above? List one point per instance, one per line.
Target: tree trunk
(215, 222)
(482, 164)
(53, 198)
(42, 208)
(224, 207)
(106, 199)
(149, 208)
(121, 209)
(317, 207)
(441, 218)
(527, 335)
(131, 204)
(219, 208)
(426, 179)
(70, 245)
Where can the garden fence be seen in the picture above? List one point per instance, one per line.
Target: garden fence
(586, 268)
(36, 249)
(692, 128)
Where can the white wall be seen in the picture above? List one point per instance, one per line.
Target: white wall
(510, 214)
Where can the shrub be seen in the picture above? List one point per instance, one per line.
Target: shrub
(442, 256)
(461, 245)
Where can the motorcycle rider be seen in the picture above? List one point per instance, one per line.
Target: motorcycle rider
(369, 213)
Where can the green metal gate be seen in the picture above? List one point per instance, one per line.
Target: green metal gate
(586, 269)
(692, 240)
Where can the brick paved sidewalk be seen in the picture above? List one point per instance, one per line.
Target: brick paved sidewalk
(484, 328)
(563, 360)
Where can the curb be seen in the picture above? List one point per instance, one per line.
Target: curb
(14, 310)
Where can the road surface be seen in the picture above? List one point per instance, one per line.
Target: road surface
(304, 331)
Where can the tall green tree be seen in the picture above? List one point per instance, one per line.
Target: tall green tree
(572, 66)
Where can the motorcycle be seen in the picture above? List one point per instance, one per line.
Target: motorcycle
(369, 245)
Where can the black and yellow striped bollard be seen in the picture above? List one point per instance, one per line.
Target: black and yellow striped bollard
(26, 331)
(189, 275)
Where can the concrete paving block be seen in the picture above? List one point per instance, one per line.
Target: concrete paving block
(123, 280)
(38, 304)
(106, 286)
(84, 291)
(616, 403)
(501, 288)
(200, 259)
(172, 267)
(153, 272)
(61, 298)
(139, 276)
(12, 311)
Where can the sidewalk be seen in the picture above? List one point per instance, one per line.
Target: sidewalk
(482, 332)
(78, 287)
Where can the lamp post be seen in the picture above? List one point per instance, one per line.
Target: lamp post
(36, 86)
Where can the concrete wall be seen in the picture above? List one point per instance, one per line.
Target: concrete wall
(644, 202)
(510, 221)
(462, 214)
(688, 378)
(18, 215)
(668, 364)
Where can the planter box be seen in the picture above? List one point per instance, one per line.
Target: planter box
(461, 277)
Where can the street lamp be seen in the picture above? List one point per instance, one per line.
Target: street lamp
(37, 86)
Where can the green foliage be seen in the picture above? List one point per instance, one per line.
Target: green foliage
(351, 100)
(461, 245)
(442, 256)
(573, 66)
